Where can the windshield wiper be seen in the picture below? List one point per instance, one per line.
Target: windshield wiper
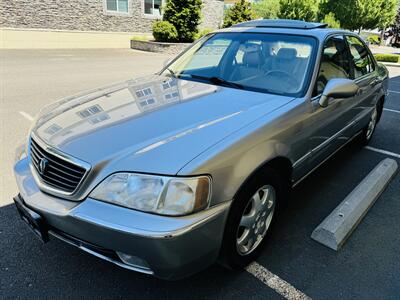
(171, 72)
(218, 81)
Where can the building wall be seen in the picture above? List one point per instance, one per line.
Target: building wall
(88, 15)
(213, 12)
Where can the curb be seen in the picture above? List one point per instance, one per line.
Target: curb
(339, 225)
(389, 64)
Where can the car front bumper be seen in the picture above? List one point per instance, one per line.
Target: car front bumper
(166, 247)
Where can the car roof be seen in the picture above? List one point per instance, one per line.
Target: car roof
(279, 26)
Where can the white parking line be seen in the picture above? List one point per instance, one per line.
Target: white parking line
(392, 110)
(395, 92)
(274, 282)
(26, 116)
(383, 151)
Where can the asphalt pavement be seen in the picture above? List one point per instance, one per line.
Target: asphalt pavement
(367, 267)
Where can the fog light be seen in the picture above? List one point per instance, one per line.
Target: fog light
(133, 260)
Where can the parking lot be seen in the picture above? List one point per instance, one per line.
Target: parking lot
(367, 267)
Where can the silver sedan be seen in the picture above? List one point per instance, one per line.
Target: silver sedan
(169, 173)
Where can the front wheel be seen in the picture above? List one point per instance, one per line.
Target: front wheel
(250, 220)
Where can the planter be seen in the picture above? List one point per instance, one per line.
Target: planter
(159, 47)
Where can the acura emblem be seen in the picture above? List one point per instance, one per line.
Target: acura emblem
(43, 165)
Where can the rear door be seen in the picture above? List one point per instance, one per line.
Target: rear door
(365, 75)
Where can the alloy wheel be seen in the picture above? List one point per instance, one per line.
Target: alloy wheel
(372, 124)
(255, 220)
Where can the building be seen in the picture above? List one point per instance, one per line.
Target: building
(229, 3)
(86, 22)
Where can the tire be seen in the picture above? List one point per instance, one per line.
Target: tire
(369, 129)
(233, 254)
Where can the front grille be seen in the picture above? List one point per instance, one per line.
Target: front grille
(54, 171)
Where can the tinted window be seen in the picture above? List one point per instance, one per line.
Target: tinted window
(334, 63)
(274, 63)
(360, 58)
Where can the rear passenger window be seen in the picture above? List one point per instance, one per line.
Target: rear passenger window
(334, 63)
(360, 58)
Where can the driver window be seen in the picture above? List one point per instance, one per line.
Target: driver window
(334, 63)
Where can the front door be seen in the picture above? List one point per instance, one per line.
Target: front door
(330, 123)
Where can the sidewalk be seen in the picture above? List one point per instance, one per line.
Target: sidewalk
(384, 49)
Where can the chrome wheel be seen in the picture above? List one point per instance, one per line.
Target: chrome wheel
(256, 219)
(372, 124)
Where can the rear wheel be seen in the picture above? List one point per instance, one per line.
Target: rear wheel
(369, 130)
(250, 219)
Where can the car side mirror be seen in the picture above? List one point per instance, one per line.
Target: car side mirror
(338, 88)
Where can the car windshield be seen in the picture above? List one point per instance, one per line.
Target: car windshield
(263, 62)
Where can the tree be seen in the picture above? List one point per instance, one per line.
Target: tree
(185, 16)
(330, 19)
(395, 29)
(379, 13)
(384, 15)
(305, 10)
(266, 9)
(240, 12)
(357, 14)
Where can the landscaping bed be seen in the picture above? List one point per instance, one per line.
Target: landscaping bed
(392, 58)
(159, 47)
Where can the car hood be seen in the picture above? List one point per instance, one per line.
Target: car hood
(153, 124)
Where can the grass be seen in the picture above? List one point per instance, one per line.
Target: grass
(387, 57)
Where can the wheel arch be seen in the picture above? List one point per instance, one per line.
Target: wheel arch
(281, 164)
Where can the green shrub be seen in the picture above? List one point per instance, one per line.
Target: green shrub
(374, 39)
(387, 57)
(240, 12)
(203, 32)
(144, 38)
(185, 15)
(164, 31)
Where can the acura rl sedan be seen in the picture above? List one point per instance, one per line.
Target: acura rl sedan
(169, 173)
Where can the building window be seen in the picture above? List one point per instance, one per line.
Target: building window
(169, 84)
(144, 92)
(99, 118)
(117, 6)
(153, 7)
(90, 111)
(171, 96)
(147, 102)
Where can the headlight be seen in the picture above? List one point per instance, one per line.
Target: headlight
(157, 194)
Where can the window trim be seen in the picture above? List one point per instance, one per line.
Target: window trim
(327, 38)
(371, 57)
(116, 12)
(151, 16)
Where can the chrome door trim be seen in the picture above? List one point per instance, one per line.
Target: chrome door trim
(323, 144)
(328, 157)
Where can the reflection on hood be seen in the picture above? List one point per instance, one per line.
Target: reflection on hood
(115, 104)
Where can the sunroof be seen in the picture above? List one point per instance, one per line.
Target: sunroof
(281, 24)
